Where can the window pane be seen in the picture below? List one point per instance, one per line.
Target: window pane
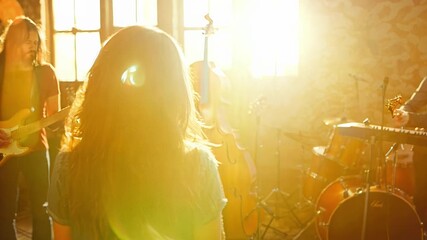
(63, 14)
(274, 38)
(219, 47)
(124, 12)
(219, 10)
(194, 12)
(219, 42)
(88, 45)
(194, 45)
(64, 56)
(87, 14)
(129, 12)
(147, 12)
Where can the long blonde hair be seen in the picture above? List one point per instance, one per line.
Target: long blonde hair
(127, 130)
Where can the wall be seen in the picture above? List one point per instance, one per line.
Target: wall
(348, 49)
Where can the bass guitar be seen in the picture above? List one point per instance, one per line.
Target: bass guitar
(16, 131)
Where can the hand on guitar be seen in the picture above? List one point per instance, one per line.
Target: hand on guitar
(400, 117)
(4, 139)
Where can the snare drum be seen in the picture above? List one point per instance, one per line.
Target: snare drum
(341, 205)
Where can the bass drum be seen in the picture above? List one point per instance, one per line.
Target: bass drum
(341, 205)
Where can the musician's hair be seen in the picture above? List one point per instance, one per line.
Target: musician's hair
(15, 34)
(127, 134)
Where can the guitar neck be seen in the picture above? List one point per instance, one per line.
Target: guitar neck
(33, 127)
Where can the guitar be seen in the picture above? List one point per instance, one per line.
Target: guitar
(16, 132)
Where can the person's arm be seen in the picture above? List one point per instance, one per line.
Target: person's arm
(50, 87)
(61, 232)
(418, 98)
(408, 114)
(212, 230)
(52, 105)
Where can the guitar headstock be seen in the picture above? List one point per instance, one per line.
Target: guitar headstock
(394, 103)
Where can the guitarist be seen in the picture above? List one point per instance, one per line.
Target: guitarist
(411, 114)
(25, 83)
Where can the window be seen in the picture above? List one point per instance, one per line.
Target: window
(263, 34)
(76, 37)
(219, 42)
(77, 27)
(128, 12)
(274, 38)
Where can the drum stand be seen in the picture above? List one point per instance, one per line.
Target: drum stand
(279, 196)
(373, 143)
(368, 189)
(262, 202)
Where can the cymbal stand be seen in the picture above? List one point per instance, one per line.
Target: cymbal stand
(255, 108)
(368, 187)
(374, 142)
(279, 194)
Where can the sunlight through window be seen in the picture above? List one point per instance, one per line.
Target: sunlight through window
(265, 31)
(274, 38)
(76, 37)
(129, 12)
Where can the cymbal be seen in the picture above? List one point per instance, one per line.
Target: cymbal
(335, 121)
(299, 136)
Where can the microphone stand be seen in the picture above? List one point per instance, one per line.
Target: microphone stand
(373, 142)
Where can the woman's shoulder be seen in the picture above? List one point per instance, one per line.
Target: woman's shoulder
(202, 154)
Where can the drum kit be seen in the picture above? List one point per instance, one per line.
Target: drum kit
(347, 205)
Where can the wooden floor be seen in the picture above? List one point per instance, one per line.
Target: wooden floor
(285, 216)
(23, 226)
(281, 224)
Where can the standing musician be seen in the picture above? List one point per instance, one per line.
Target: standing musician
(26, 82)
(411, 114)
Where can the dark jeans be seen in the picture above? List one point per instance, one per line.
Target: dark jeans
(420, 195)
(35, 169)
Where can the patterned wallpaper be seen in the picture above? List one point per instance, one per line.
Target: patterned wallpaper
(9, 9)
(348, 49)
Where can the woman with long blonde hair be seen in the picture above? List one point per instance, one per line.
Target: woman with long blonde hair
(133, 163)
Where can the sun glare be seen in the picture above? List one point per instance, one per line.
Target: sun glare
(274, 38)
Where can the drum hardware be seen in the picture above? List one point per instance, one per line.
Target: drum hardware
(336, 120)
(280, 196)
(373, 142)
(256, 108)
(393, 149)
(307, 225)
